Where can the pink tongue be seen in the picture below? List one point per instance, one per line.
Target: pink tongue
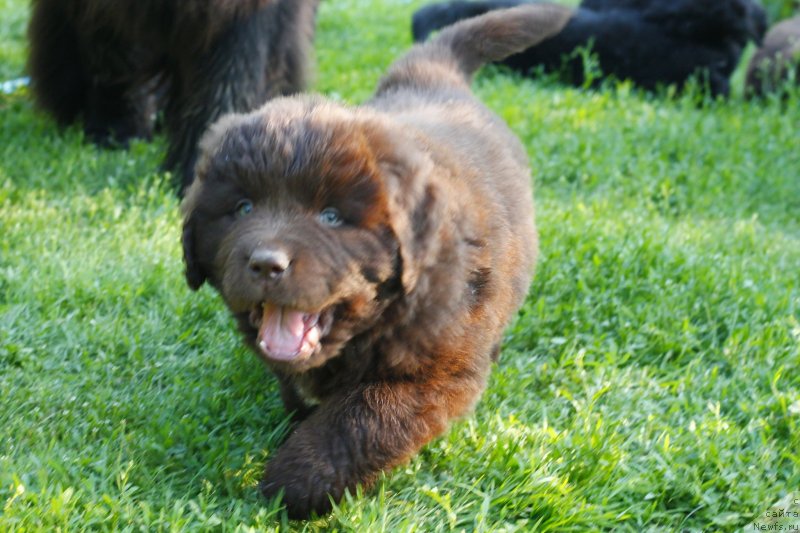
(281, 333)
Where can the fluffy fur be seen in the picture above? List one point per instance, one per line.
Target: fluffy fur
(373, 255)
(779, 56)
(650, 42)
(114, 64)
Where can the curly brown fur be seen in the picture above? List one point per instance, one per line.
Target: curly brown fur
(372, 255)
(773, 63)
(114, 64)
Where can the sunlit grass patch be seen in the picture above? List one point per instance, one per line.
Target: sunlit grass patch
(650, 381)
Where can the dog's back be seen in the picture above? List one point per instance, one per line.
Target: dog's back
(709, 21)
(428, 91)
(479, 161)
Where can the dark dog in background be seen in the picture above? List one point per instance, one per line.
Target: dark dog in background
(114, 64)
(650, 42)
(779, 56)
(372, 256)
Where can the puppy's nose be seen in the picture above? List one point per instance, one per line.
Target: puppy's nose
(269, 263)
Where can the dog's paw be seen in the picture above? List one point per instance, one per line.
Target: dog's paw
(307, 486)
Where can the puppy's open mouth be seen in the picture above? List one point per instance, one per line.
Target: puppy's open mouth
(288, 334)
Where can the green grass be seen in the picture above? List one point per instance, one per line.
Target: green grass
(651, 382)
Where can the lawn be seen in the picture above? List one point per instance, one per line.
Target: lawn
(651, 381)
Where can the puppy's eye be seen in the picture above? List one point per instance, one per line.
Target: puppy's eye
(330, 216)
(243, 208)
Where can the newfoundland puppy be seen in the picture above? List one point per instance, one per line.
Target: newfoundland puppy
(372, 255)
(115, 63)
(650, 42)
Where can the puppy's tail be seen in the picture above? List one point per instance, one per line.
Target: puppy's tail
(453, 56)
(433, 17)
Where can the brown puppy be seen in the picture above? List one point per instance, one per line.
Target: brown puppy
(772, 63)
(115, 63)
(372, 255)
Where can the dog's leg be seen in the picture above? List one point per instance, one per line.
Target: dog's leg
(117, 112)
(254, 59)
(229, 77)
(293, 402)
(350, 439)
(78, 73)
(58, 76)
(719, 84)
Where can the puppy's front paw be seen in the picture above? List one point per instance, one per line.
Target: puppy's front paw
(307, 485)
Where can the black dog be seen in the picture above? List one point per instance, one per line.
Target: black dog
(114, 64)
(650, 42)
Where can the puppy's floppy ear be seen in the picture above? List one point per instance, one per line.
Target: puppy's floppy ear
(195, 276)
(415, 211)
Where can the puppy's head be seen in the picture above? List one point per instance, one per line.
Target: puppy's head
(302, 217)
